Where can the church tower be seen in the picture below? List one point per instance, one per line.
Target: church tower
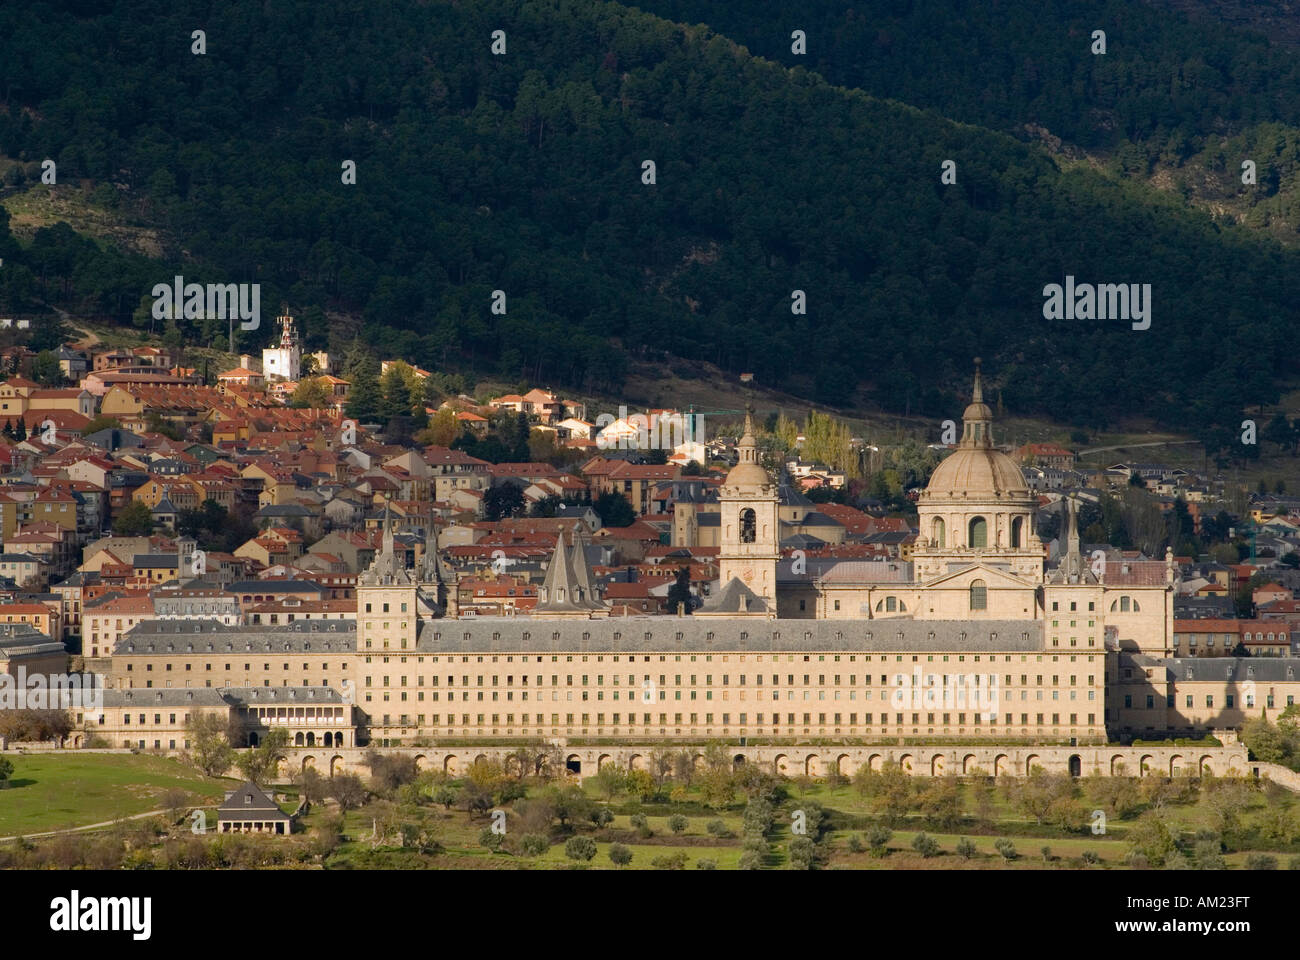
(387, 597)
(750, 534)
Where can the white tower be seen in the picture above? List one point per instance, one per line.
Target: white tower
(284, 360)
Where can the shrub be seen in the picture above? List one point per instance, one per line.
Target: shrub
(802, 853)
(1005, 847)
(677, 823)
(717, 828)
(534, 844)
(620, 855)
(580, 848)
(487, 839)
(672, 861)
(1046, 851)
(706, 864)
(1090, 857)
(1260, 861)
(878, 836)
(750, 860)
(925, 845)
(965, 848)
(855, 844)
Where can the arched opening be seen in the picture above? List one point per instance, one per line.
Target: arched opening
(574, 764)
(311, 739)
(1017, 532)
(738, 760)
(939, 531)
(979, 595)
(252, 739)
(299, 740)
(748, 526)
(978, 533)
(1076, 765)
(329, 739)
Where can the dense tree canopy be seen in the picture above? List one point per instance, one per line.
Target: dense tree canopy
(523, 173)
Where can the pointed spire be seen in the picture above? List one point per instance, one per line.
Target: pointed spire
(557, 587)
(388, 529)
(431, 565)
(582, 574)
(978, 395)
(749, 421)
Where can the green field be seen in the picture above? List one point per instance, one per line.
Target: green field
(52, 792)
(1207, 823)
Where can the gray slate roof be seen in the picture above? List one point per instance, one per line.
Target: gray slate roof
(677, 634)
(213, 636)
(221, 696)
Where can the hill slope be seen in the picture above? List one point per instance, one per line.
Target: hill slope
(523, 173)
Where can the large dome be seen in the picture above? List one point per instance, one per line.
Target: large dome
(977, 474)
(976, 470)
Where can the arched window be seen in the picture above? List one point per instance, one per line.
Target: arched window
(747, 526)
(979, 595)
(1017, 528)
(978, 533)
(939, 531)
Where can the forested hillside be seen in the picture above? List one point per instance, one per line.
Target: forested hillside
(523, 173)
(1171, 103)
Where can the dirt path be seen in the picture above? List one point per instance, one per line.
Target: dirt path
(89, 826)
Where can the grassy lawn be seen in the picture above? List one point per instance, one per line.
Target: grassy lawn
(53, 792)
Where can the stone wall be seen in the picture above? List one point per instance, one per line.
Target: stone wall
(817, 761)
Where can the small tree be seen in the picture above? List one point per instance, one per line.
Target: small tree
(534, 844)
(620, 855)
(348, 791)
(678, 823)
(1005, 847)
(802, 853)
(966, 848)
(878, 836)
(581, 849)
(6, 771)
(925, 845)
(209, 747)
(133, 520)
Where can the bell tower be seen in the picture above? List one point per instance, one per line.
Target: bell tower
(750, 536)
